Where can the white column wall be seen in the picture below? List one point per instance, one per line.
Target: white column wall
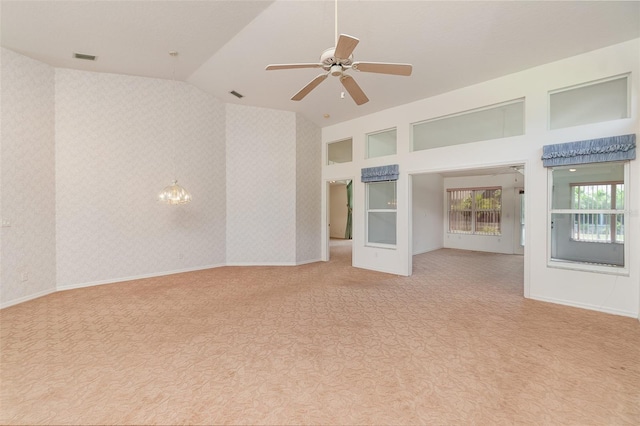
(27, 179)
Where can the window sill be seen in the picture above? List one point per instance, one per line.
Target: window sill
(588, 267)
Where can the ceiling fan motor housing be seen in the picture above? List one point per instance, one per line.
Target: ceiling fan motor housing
(329, 60)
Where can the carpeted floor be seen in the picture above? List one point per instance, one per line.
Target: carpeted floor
(322, 343)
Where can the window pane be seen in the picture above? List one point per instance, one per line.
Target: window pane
(460, 199)
(488, 199)
(382, 195)
(381, 143)
(593, 227)
(475, 211)
(340, 152)
(589, 104)
(488, 223)
(460, 221)
(588, 186)
(619, 228)
(620, 196)
(565, 247)
(592, 197)
(494, 122)
(382, 227)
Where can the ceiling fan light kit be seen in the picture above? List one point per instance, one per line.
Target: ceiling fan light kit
(336, 61)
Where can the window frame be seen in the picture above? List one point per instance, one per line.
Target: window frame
(473, 210)
(393, 210)
(625, 76)
(469, 112)
(367, 154)
(328, 160)
(581, 265)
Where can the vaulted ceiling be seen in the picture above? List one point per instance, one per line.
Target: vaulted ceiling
(225, 45)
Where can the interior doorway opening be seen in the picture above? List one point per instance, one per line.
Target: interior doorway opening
(339, 216)
(452, 210)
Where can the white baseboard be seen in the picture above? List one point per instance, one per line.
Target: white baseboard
(135, 277)
(304, 262)
(26, 298)
(143, 276)
(427, 250)
(588, 306)
(384, 270)
(261, 264)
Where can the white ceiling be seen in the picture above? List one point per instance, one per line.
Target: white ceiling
(225, 45)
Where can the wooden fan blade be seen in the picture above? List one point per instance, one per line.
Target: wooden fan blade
(345, 46)
(309, 87)
(354, 90)
(291, 66)
(383, 68)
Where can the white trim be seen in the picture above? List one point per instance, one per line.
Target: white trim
(135, 277)
(584, 306)
(304, 262)
(386, 271)
(262, 264)
(429, 250)
(26, 298)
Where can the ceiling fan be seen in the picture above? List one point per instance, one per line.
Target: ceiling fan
(339, 59)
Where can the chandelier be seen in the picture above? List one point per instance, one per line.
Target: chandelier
(174, 193)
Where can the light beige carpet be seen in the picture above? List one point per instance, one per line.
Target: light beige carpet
(323, 343)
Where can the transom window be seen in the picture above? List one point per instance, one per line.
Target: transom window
(475, 210)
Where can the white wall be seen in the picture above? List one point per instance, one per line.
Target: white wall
(261, 186)
(503, 243)
(308, 191)
(27, 179)
(610, 293)
(118, 139)
(338, 210)
(427, 212)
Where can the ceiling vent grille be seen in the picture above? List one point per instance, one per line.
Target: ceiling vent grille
(236, 94)
(84, 56)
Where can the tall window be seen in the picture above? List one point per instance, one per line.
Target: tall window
(475, 210)
(587, 216)
(601, 217)
(381, 213)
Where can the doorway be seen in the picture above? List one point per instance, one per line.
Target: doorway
(339, 215)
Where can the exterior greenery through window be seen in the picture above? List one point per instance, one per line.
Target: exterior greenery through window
(475, 210)
(596, 222)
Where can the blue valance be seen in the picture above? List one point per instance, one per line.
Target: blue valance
(380, 173)
(615, 148)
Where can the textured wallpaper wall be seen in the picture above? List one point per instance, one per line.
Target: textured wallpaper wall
(308, 190)
(261, 185)
(118, 140)
(84, 156)
(27, 177)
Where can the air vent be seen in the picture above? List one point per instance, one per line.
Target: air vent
(236, 94)
(84, 56)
